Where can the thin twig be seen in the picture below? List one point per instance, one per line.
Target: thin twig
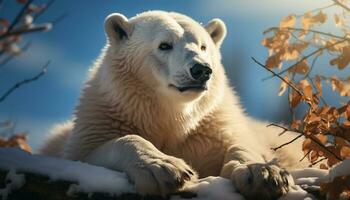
(304, 30)
(341, 5)
(31, 29)
(279, 126)
(287, 143)
(312, 65)
(314, 86)
(48, 5)
(305, 155)
(280, 77)
(318, 161)
(3, 62)
(318, 9)
(311, 137)
(19, 16)
(291, 110)
(26, 81)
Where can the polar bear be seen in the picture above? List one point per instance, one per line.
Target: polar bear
(158, 106)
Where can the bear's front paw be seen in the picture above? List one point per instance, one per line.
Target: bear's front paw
(160, 175)
(261, 181)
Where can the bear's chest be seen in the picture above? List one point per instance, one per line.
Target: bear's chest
(205, 154)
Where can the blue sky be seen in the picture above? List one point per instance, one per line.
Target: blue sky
(75, 42)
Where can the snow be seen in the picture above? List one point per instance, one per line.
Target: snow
(89, 179)
(213, 188)
(15, 181)
(309, 176)
(340, 169)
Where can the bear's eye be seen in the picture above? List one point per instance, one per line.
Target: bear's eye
(203, 48)
(165, 46)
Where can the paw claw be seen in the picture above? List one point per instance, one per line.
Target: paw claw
(161, 175)
(190, 172)
(268, 181)
(186, 176)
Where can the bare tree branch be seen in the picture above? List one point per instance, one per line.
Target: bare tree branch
(48, 5)
(19, 16)
(289, 142)
(279, 126)
(318, 161)
(26, 81)
(318, 9)
(304, 30)
(311, 137)
(4, 61)
(280, 77)
(31, 29)
(305, 155)
(341, 5)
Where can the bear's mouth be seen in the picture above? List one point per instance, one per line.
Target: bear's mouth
(196, 88)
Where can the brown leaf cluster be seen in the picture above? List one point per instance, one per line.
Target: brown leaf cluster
(280, 50)
(338, 189)
(308, 19)
(17, 140)
(341, 86)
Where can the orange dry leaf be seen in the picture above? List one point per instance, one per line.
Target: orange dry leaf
(336, 46)
(273, 61)
(288, 21)
(293, 51)
(345, 152)
(343, 60)
(301, 68)
(339, 21)
(294, 99)
(277, 42)
(323, 166)
(18, 140)
(308, 20)
(318, 85)
(343, 87)
(308, 92)
(338, 189)
(283, 86)
(322, 138)
(4, 22)
(295, 124)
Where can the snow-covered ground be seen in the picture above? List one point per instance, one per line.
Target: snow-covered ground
(89, 178)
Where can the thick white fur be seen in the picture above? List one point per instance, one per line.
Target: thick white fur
(130, 119)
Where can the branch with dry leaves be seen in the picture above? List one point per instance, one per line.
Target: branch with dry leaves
(295, 47)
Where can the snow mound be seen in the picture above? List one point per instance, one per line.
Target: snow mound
(89, 179)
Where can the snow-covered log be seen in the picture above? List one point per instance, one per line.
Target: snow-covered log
(27, 176)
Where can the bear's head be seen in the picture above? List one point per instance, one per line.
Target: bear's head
(168, 53)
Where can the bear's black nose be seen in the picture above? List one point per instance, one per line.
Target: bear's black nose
(200, 72)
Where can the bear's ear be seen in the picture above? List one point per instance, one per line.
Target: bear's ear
(117, 27)
(217, 30)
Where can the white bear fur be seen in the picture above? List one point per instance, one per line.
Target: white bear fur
(129, 118)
